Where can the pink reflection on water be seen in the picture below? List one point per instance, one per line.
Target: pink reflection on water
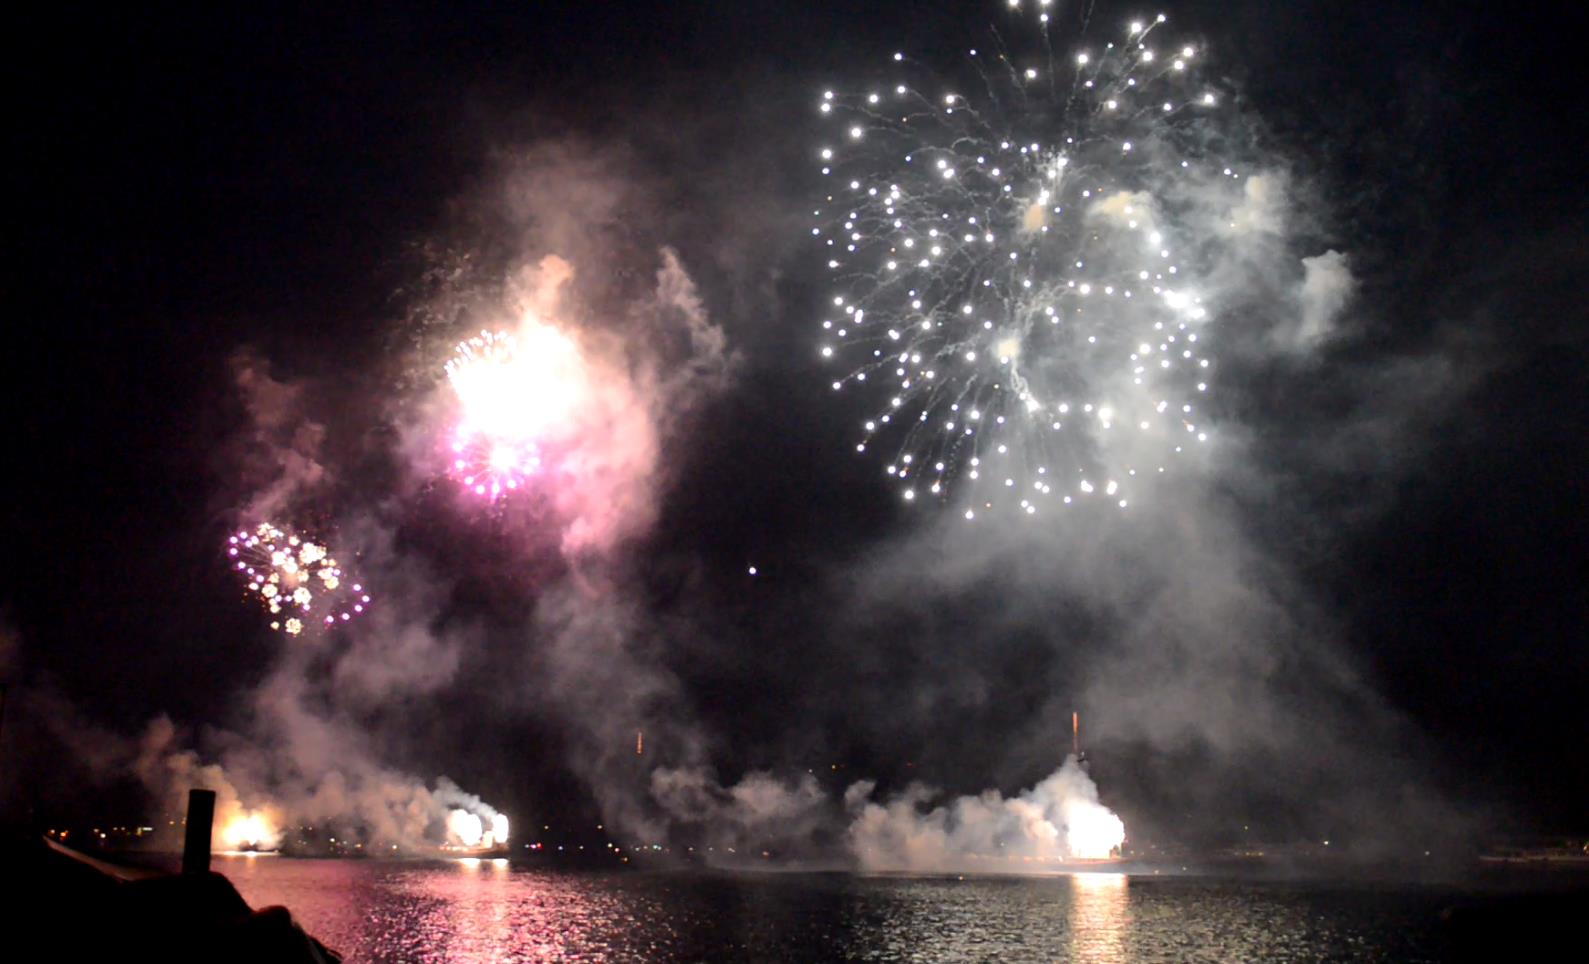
(471, 915)
(461, 910)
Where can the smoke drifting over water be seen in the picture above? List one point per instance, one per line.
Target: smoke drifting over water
(1059, 819)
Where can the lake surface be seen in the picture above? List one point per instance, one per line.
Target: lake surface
(375, 911)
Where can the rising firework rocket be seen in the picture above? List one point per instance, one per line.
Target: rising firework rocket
(1017, 262)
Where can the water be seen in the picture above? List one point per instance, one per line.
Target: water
(376, 911)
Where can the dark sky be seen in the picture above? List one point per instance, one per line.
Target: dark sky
(189, 183)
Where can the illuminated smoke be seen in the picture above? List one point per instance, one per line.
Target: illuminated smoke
(464, 828)
(1327, 285)
(472, 822)
(1059, 819)
(248, 830)
(472, 830)
(312, 773)
(169, 772)
(760, 811)
(568, 411)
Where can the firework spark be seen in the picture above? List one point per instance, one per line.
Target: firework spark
(1016, 264)
(297, 579)
(513, 391)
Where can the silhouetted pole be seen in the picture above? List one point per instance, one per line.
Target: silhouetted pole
(196, 844)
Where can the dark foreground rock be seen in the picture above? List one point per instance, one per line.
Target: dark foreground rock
(70, 908)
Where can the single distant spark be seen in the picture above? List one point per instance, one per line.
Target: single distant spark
(1008, 269)
(296, 578)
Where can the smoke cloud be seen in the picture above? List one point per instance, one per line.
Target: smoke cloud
(1327, 286)
(1059, 819)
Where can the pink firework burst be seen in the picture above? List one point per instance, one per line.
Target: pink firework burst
(493, 467)
(515, 392)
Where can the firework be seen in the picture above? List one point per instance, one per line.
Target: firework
(297, 579)
(1016, 260)
(512, 390)
(493, 467)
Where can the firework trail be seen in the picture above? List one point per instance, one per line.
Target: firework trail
(296, 578)
(1016, 261)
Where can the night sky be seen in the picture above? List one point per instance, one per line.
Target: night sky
(200, 188)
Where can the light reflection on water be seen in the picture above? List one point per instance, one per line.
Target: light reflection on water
(1099, 914)
(483, 910)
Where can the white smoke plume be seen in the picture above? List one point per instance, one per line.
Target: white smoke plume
(1057, 820)
(169, 772)
(1327, 286)
(471, 822)
(296, 771)
(761, 811)
(283, 448)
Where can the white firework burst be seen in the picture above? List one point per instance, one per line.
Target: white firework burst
(1018, 260)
